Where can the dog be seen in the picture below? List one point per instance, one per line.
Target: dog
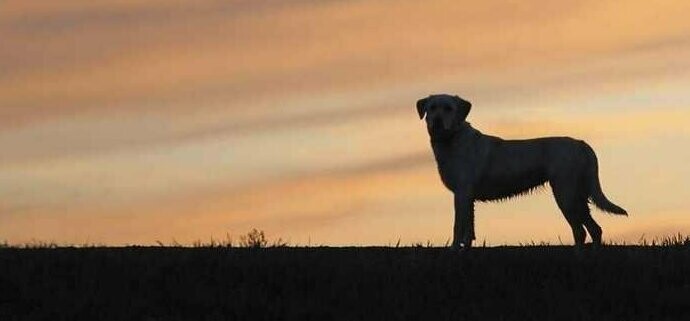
(479, 167)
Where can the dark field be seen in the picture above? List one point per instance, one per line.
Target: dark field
(286, 283)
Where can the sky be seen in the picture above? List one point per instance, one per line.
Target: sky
(133, 122)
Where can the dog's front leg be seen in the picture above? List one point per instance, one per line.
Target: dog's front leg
(463, 229)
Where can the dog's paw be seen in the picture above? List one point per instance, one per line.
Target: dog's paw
(459, 248)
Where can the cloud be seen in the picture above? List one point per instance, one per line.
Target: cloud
(300, 201)
(201, 54)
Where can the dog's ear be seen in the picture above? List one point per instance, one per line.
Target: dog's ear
(464, 107)
(421, 107)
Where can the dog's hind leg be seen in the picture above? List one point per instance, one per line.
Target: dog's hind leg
(579, 233)
(568, 202)
(593, 228)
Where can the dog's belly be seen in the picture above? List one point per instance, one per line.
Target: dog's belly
(514, 168)
(497, 188)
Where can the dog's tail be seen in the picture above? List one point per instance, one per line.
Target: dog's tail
(596, 194)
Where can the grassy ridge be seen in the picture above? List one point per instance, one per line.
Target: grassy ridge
(290, 283)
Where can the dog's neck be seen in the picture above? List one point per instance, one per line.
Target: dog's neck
(463, 131)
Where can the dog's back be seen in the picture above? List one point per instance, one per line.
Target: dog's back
(514, 167)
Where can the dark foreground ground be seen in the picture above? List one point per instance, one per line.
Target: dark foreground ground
(508, 283)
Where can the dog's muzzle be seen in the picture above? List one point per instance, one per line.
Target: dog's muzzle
(436, 127)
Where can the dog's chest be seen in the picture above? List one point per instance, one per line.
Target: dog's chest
(454, 163)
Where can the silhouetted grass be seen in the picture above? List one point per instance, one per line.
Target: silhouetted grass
(220, 281)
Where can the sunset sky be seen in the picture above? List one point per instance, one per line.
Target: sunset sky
(131, 122)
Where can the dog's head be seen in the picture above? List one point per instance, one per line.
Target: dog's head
(444, 113)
